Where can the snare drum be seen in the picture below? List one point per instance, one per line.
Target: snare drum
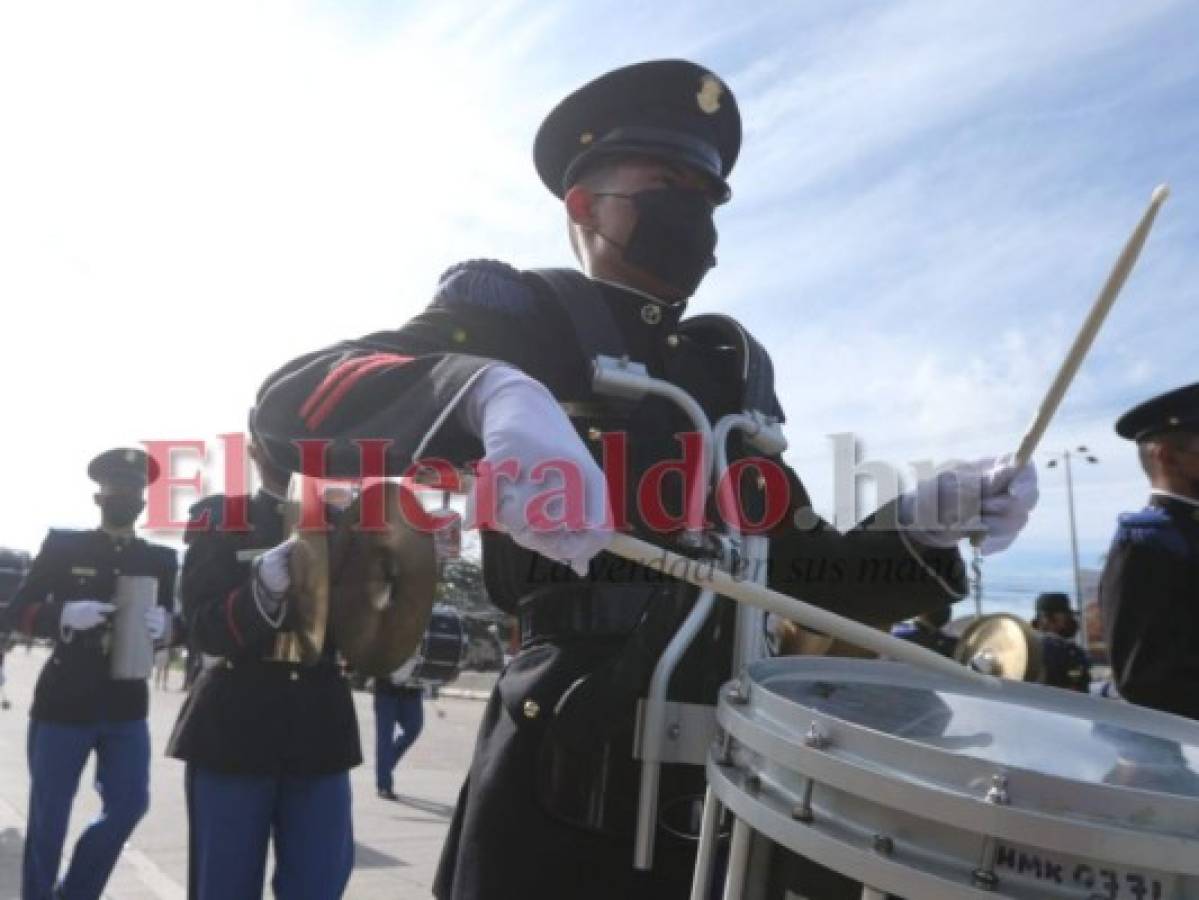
(851, 778)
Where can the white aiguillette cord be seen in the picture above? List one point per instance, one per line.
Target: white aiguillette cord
(856, 633)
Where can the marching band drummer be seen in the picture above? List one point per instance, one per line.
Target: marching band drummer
(78, 707)
(639, 159)
(268, 743)
(1149, 591)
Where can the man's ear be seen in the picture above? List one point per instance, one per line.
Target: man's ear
(1163, 455)
(579, 202)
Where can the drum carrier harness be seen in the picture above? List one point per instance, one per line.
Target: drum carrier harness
(662, 629)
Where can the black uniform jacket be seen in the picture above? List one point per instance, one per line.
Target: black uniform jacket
(83, 565)
(569, 696)
(245, 714)
(1066, 663)
(1149, 596)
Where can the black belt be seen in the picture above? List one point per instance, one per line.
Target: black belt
(583, 610)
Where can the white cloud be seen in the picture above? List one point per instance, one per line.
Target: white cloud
(928, 198)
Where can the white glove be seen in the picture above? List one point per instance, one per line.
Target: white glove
(80, 615)
(988, 497)
(156, 622)
(521, 423)
(272, 578)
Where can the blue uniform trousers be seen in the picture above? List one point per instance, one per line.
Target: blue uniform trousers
(57, 754)
(404, 708)
(232, 818)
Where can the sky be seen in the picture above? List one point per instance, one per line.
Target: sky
(928, 198)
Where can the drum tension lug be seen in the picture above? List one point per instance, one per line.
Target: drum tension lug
(997, 793)
(816, 738)
(802, 811)
(883, 845)
(985, 879)
(724, 749)
(984, 876)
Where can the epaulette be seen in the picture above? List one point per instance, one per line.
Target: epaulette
(60, 533)
(212, 506)
(59, 537)
(1151, 526)
(165, 552)
(485, 284)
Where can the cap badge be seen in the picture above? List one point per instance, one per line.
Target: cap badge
(130, 456)
(586, 137)
(710, 92)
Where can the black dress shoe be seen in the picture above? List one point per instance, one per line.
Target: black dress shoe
(387, 794)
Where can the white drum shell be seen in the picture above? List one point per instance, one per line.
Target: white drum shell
(911, 816)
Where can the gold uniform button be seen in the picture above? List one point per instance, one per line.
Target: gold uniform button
(532, 709)
(672, 340)
(294, 676)
(651, 314)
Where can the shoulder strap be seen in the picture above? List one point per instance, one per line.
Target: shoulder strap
(754, 365)
(578, 297)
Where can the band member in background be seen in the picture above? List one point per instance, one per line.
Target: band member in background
(640, 159)
(399, 703)
(1150, 586)
(268, 743)
(1066, 663)
(78, 707)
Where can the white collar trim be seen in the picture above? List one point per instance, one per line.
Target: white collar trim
(633, 290)
(1190, 501)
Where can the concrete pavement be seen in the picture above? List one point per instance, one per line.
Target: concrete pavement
(397, 844)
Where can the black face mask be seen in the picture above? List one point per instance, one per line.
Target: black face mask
(120, 512)
(674, 237)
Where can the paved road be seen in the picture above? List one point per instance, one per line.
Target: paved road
(397, 843)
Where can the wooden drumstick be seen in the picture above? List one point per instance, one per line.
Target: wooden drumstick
(676, 566)
(1078, 351)
(1090, 327)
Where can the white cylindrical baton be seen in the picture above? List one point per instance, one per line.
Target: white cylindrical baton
(676, 566)
(1090, 327)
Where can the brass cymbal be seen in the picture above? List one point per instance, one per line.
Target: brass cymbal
(383, 577)
(308, 614)
(1003, 645)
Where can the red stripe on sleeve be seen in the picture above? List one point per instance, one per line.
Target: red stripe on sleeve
(376, 363)
(336, 374)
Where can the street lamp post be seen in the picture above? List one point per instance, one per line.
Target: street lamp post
(1078, 600)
